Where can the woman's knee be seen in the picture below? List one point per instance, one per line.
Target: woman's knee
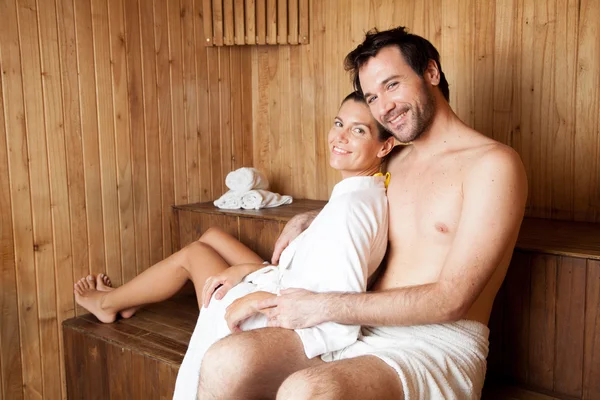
(212, 234)
(310, 383)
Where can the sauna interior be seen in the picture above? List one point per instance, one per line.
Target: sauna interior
(112, 112)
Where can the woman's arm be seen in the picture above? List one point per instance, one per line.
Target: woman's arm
(292, 229)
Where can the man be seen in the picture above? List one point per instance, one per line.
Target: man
(456, 201)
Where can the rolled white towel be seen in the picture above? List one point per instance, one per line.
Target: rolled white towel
(257, 199)
(245, 179)
(231, 200)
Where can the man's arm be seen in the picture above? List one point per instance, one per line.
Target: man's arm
(292, 229)
(495, 192)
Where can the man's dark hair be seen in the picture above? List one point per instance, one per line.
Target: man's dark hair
(417, 52)
(382, 133)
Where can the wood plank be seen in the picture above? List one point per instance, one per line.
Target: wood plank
(185, 228)
(247, 106)
(106, 140)
(94, 365)
(261, 103)
(282, 21)
(542, 321)
(570, 321)
(217, 177)
(225, 112)
(236, 70)
(515, 343)
(586, 149)
(150, 321)
(73, 344)
(138, 135)
(293, 22)
(238, 11)
(120, 372)
(304, 20)
(260, 236)
(250, 22)
(57, 171)
(161, 46)
(271, 22)
(261, 21)
(201, 222)
(11, 370)
(177, 104)
(152, 136)
(121, 117)
(217, 22)
(90, 135)
(207, 21)
(206, 167)
(43, 239)
(591, 360)
(168, 377)
(307, 186)
(73, 144)
(228, 23)
(494, 359)
(190, 101)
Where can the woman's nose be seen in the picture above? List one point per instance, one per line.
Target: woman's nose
(342, 136)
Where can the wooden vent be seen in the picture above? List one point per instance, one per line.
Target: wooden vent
(237, 22)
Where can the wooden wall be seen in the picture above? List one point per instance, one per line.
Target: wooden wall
(525, 72)
(110, 112)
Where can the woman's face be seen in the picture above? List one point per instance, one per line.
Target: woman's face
(353, 141)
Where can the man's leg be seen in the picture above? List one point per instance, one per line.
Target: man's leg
(361, 378)
(252, 364)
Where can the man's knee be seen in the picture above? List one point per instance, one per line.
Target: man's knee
(228, 365)
(311, 383)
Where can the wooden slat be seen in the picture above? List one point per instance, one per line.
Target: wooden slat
(282, 21)
(570, 320)
(237, 130)
(293, 22)
(40, 199)
(591, 360)
(271, 21)
(119, 373)
(151, 124)
(261, 21)
(247, 133)
(303, 24)
(250, 22)
(207, 21)
(260, 236)
(168, 377)
(542, 318)
(217, 177)
(240, 32)
(11, 372)
(217, 22)
(228, 23)
(161, 37)
(496, 339)
(516, 318)
(57, 171)
(225, 111)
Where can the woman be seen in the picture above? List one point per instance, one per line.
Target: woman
(342, 248)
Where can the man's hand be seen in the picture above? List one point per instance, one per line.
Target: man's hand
(220, 284)
(294, 309)
(243, 308)
(292, 229)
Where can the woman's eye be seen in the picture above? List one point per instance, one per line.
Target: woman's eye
(337, 124)
(359, 131)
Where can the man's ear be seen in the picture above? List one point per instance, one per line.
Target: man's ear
(432, 73)
(388, 145)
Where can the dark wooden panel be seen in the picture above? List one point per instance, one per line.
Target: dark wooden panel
(118, 360)
(542, 321)
(168, 376)
(515, 355)
(591, 366)
(260, 236)
(94, 371)
(570, 306)
(494, 360)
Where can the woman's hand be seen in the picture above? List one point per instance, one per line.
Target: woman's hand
(243, 308)
(220, 284)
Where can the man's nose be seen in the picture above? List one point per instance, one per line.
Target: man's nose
(385, 106)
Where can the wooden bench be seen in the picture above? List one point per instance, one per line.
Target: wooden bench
(545, 340)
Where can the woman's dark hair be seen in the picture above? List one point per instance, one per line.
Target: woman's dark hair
(382, 133)
(417, 52)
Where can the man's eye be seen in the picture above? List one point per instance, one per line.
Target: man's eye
(371, 99)
(392, 85)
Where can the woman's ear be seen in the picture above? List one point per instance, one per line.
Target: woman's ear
(388, 145)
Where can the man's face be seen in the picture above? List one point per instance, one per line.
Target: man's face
(398, 98)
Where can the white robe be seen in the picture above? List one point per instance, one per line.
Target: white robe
(342, 247)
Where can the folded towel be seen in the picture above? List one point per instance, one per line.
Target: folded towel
(256, 199)
(244, 179)
(231, 200)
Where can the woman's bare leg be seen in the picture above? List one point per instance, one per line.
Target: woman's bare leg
(211, 254)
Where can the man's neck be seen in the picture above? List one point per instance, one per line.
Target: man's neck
(440, 135)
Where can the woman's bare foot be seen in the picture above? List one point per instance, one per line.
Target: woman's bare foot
(104, 284)
(87, 296)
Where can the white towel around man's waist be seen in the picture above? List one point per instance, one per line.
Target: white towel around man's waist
(245, 179)
(256, 199)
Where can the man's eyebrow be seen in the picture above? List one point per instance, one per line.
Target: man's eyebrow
(383, 83)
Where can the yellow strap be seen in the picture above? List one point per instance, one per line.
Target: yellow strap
(388, 176)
